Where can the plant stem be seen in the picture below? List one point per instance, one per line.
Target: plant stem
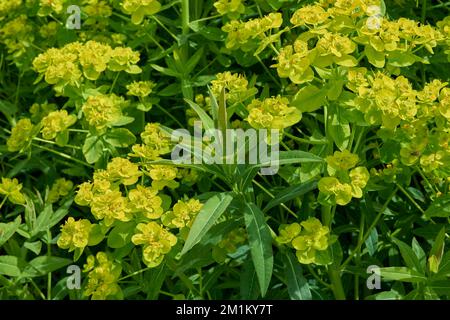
(410, 198)
(287, 134)
(272, 196)
(336, 283)
(369, 230)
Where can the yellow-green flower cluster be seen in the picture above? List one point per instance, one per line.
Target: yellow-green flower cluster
(39, 111)
(47, 7)
(74, 234)
(386, 101)
(67, 65)
(182, 214)
(343, 183)
(155, 143)
(156, 241)
(11, 189)
(306, 238)
(7, 7)
(138, 9)
(17, 35)
(56, 122)
(60, 188)
(294, 62)
(272, 113)
(103, 276)
(146, 200)
(21, 135)
(244, 35)
(140, 88)
(96, 11)
(103, 110)
(229, 244)
(232, 8)
(311, 15)
(163, 176)
(103, 195)
(336, 48)
(235, 85)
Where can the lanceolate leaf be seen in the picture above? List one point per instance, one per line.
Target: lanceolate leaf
(206, 218)
(260, 242)
(298, 287)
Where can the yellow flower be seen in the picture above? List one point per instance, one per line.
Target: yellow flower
(74, 234)
(140, 8)
(288, 232)
(163, 176)
(102, 278)
(94, 58)
(154, 138)
(111, 206)
(102, 110)
(231, 8)
(340, 193)
(123, 171)
(146, 200)
(182, 214)
(56, 122)
(236, 87)
(342, 160)
(84, 194)
(124, 59)
(140, 88)
(294, 63)
(310, 14)
(60, 188)
(314, 237)
(10, 188)
(21, 135)
(156, 242)
(359, 177)
(49, 6)
(272, 113)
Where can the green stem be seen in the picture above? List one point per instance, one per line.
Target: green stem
(336, 283)
(63, 155)
(369, 230)
(272, 196)
(185, 16)
(49, 276)
(3, 201)
(290, 136)
(410, 198)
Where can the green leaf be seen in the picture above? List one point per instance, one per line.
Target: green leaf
(204, 117)
(298, 287)
(249, 281)
(9, 266)
(260, 241)
(372, 242)
(340, 132)
(92, 148)
(402, 274)
(408, 256)
(34, 247)
(7, 230)
(309, 98)
(121, 235)
(120, 137)
(401, 59)
(42, 265)
(208, 215)
(444, 266)
(420, 254)
(441, 287)
(439, 208)
(377, 59)
(290, 193)
(193, 60)
(96, 235)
